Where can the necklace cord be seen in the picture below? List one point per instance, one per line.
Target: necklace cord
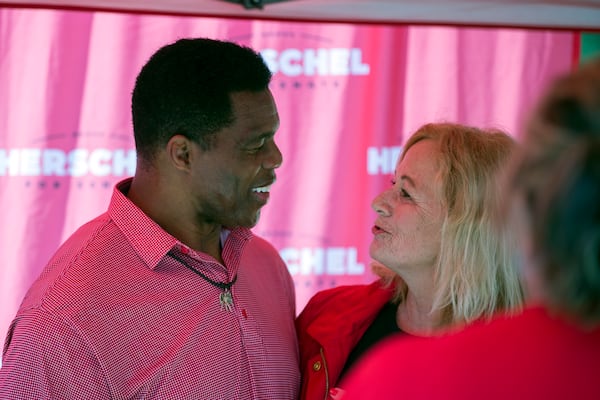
(220, 285)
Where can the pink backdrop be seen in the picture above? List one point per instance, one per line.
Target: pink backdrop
(348, 96)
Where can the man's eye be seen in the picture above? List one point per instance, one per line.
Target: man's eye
(404, 194)
(257, 147)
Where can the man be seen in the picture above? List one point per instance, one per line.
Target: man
(168, 295)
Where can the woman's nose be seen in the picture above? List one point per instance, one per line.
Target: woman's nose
(379, 204)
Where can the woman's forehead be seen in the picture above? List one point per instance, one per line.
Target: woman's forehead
(422, 158)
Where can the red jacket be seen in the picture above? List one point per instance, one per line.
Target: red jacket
(534, 355)
(329, 327)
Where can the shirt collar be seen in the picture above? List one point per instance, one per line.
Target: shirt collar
(149, 240)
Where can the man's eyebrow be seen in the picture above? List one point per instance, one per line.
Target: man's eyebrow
(255, 139)
(265, 135)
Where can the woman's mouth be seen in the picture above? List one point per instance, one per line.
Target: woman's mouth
(377, 230)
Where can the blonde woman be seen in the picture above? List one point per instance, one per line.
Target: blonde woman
(446, 263)
(551, 350)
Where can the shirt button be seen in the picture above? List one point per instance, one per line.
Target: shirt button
(317, 366)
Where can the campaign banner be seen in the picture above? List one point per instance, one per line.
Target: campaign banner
(348, 96)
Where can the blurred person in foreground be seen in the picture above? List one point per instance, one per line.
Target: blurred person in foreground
(552, 350)
(442, 265)
(169, 295)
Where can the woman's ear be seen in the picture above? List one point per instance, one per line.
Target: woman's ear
(179, 149)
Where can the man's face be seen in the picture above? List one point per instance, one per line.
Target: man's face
(231, 180)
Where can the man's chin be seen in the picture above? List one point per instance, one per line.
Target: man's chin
(255, 220)
(249, 222)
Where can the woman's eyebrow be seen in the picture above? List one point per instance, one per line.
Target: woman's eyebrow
(409, 180)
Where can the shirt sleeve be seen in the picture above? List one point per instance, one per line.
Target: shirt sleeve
(46, 358)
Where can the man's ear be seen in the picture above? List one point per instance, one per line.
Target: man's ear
(179, 152)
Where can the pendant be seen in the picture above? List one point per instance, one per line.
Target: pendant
(226, 300)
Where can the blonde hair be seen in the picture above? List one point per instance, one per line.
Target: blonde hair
(476, 273)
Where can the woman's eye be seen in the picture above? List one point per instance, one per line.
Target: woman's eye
(404, 193)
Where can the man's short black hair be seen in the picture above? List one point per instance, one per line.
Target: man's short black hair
(185, 89)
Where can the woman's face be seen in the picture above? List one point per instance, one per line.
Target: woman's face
(407, 231)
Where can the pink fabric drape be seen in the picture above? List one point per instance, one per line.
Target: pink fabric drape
(348, 96)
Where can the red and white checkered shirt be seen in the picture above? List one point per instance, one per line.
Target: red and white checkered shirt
(113, 316)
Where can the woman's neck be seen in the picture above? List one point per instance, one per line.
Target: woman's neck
(415, 314)
(416, 319)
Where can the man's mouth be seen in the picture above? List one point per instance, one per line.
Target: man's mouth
(262, 189)
(262, 193)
